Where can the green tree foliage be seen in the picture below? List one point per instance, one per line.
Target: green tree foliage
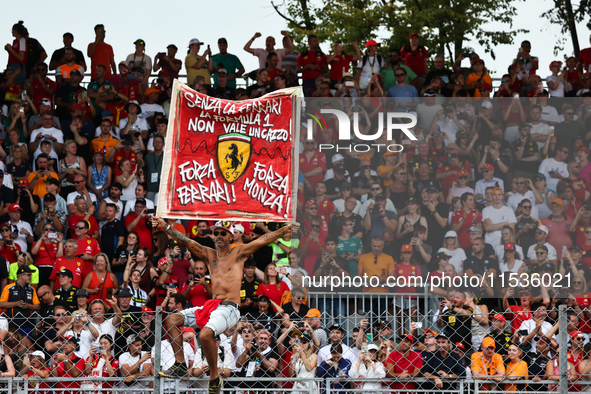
(567, 14)
(444, 25)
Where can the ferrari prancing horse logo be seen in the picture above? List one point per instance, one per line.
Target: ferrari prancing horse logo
(233, 154)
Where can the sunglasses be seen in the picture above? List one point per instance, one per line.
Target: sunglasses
(505, 233)
(79, 227)
(43, 295)
(587, 232)
(246, 331)
(77, 182)
(222, 233)
(309, 143)
(540, 253)
(315, 208)
(586, 78)
(299, 298)
(5, 230)
(519, 183)
(315, 226)
(540, 232)
(49, 229)
(569, 113)
(400, 75)
(463, 177)
(375, 189)
(60, 314)
(526, 207)
(578, 282)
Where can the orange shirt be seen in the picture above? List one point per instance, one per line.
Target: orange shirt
(379, 268)
(383, 170)
(102, 55)
(106, 146)
(516, 369)
(472, 78)
(96, 282)
(40, 188)
(492, 367)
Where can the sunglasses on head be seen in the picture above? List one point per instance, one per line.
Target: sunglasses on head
(222, 233)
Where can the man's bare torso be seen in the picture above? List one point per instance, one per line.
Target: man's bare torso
(226, 275)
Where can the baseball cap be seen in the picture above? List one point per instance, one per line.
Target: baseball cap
(140, 41)
(24, 270)
(462, 172)
(339, 168)
(24, 182)
(66, 272)
(406, 248)
(346, 185)
(141, 201)
(460, 345)
(430, 93)
(544, 229)
(486, 86)
(310, 202)
(38, 353)
(133, 339)
(576, 333)
(117, 185)
(546, 267)
(106, 113)
(442, 256)
(441, 335)
(81, 293)
(576, 248)
(222, 71)
(486, 104)
(337, 157)
(239, 227)
(488, 342)
(541, 176)
(224, 225)
(124, 292)
(497, 190)
(370, 43)
(409, 337)
(14, 207)
(372, 346)
(499, 317)
(53, 181)
(364, 157)
(451, 234)
(474, 229)
(75, 72)
(509, 246)
(558, 201)
(411, 35)
(44, 102)
(380, 196)
(195, 41)
(555, 63)
(336, 327)
(312, 313)
(172, 46)
(49, 197)
(123, 63)
(151, 90)
(147, 309)
(584, 149)
(524, 125)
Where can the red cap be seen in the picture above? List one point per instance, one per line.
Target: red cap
(161, 262)
(77, 106)
(526, 292)
(411, 35)
(22, 183)
(14, 207)
(509, 246)
(311, 202)
(478, 61)
(500, 317)
(406, 248)
(488, 166)
(576, 333)
(409, 337)
(80, 91)
(460, 345)
(462, 172)
(555, 63)
(485, 86)
(370, 43)
(147, 310)
(584, 149)
(163, 72)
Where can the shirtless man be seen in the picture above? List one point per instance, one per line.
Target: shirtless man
(222, 310)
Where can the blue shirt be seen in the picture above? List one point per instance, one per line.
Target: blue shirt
(403, 94)
(330, 372)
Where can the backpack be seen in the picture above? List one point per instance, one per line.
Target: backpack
(379, 60)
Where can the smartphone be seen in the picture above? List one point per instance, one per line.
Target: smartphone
(150, 211)
(419, 324)
(324, 255)
(516, 96)
(99, 349)
(52, 235)
(523, 333)
(109, 293)
(369, 338)
(349, 83)
(84, 94)
(79, 255)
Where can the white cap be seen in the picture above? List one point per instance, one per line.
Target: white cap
(487, 104)
(195, 41)
(224, 225)
(372, 346)
(450, 234)
(543, 228)
(239, 227)
(337, 157)
(38, 353)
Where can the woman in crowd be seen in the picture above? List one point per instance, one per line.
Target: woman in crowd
(480, 322)
(303, 362)
(477, 79)
(507, 235)
(549, 195)
(70, 166)
(272, 286)
(261, 87)
(407, 222)
(466, 147)
(78, 327)
(160, 244)
(34, 367)
(513, 115)
(100, 279)
(142, 264)
(557, 83)
(368, 366)
(516, 369)
(17, 164)
(459, 186)
(99, 176)
(130, 247)
(511, 261)
(101, 363)
(451, 247)
(399, 191)
(132, 279)
(295, 310)
(17, 120)
(128, 179)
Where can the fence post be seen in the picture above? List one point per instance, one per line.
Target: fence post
(562, 350)
(157, 350)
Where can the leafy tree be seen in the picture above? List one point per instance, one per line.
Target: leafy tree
(566, 15)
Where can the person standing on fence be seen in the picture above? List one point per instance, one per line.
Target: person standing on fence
(226, 266)
(456, 319)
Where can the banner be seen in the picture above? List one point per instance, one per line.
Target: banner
(229, 159)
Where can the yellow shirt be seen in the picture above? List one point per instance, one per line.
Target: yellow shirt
(190, 60)
(516, 369)
(379, 267)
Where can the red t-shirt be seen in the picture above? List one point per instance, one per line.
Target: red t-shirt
(584, 301)
(312, 253)
(73, 219)
(9, 252)
(19, 45)
(325, 209)
(192, 228)
(339, 65)
(38, 385)
(517, 316)
(62, 372)
(447, 182)
(88, 246)
(272, 292)
(198, 295)
(318, 159)
(585, 58)
(38, 91)
(406, 271)
(415, 59)
(144, 232)
(77, 266)
(404, 364)
(103, 53)
(463, 237)
(180, 269)
(13, 93)
(310, 57)
(105, 372)
(120, 155)
(47, 254)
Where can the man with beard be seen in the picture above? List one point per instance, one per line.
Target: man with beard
(311, 64)
(130, 320)
(134, 364)
(62, 73)
(456, 318)
(114, 194)
(59, 56)
(443, 365)
(404, 363)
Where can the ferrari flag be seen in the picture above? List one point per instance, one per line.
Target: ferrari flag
(229, 159)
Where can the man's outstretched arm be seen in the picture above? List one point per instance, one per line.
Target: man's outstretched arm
(196, 248)
(266, 239)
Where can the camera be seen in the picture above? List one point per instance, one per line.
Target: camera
(137, 134)
(376, 209)
(356, 109)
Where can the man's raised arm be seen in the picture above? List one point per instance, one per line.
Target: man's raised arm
(196, 248)
(266, 239)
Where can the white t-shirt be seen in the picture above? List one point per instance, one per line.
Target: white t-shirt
(139, 122)
(127, 359)
(550, 164)
(324, 354)
(549, 114)
(514, 200)
(150, 109)
(558, 92)
(53, 132)
(530, 325)
(457, 258)
(372, 66)
(21, 240)
(503, 266)
(144, 61)
(71, 199)
(531, 252)
(540, 128)
(84, 339)
(482, 184)
(449, 127)
(130, 206)
(105, 327)
(503, 214)
(340, 206)
(262, 55)
(500, 253)
(150, 146)
(426, 114)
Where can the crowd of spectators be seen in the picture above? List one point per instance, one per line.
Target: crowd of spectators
(496, 184)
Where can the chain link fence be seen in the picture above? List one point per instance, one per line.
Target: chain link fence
(458, 346)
